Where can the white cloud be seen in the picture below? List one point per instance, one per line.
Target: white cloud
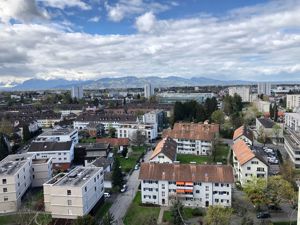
(129, 8)
(253, 46)
(95, 19)
(145, 22)
(20, 10)
(62, 4)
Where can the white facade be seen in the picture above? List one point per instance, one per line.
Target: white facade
(292, 101)
(15, 179)
(77, 92)
(161, 158)
(59, 135)
(253, 168)
(264, 88)
(81, 125)
(292, 137)
(48, 122)
(148, 91)
(42, 171)
(244, 92)
(195, 147)
(74, 194)
(127, 130)
(262, 106)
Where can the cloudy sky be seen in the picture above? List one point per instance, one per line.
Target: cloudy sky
(90, 39)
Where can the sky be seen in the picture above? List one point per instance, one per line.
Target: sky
(92, 39)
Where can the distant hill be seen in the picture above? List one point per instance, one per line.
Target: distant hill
(123, 82)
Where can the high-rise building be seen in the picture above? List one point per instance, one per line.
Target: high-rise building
(148, 91)
(244, 92)
(292, 101)
(77, 92)
(264, 88)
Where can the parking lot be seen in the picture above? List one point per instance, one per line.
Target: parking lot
(270, 155)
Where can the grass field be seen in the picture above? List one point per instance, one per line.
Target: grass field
(220, 156)
(128, 164)
(187, 213)
(42, 219)
(139, 215)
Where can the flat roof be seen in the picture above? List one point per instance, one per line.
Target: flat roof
(75, 178)
(61, 131)
(12, 163)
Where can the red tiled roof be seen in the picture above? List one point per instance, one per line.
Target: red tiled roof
(115, 142)
(242, 152)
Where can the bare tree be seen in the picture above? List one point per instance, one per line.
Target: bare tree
(138, 138)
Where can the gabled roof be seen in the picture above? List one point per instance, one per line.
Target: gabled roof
(242, 152)
(243, 130)
(186, 172)
(192, 131)
(115, 142)
(166, 146)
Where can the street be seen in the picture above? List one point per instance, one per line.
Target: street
(123, 200)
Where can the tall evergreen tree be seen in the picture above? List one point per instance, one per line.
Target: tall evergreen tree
(4, 151)
(26, 133)
(117, 176)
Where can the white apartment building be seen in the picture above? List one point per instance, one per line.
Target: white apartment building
(247, 163)
(77, 92)
(245, 134)
(171, 98)
(62, 153)
(243, 91)
(264, 88)
(155, 117)
(148, 91)
(127, 130)
(165, 151)
(74, 194)
(194, 185)
(292, 101)
(15, 179)
(48, 122)
(262, 106)
(292, 137)
(193, 138)
(59, 135)
(42, 171)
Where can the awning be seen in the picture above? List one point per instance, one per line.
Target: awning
(179, 183)
(179, 191)
(189, 183)
(188, 191)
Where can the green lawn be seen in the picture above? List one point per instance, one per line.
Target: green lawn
(43, 219)
(221, 156)
(187, 213)
(5, 220)
(102, 210)
(138, 214)
(88, 140)
(128, 164)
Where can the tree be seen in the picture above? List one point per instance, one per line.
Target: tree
(108, 219)
(176, 212)
(138, 138)
(117, 176)
(218, 215)
(6, 127)
(85, 220)
(276, 129)
(288, 170)
(255, 190)
(124, 152)
(262, 135)
(26, 133)
(279, 189)
(111, 131)
(4, 150)
(218, 117)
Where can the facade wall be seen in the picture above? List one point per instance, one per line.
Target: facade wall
(199, 194)
(195, 147)
(161, 158)
(41, 173)
(292, 101)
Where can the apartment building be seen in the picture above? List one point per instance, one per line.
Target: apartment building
(171, 98)
(74, 194)
(193, 138)
(92, 151)
(155, 117)
(62, 153)
(165, 151)
(264, 88)
(15, 179)
(262, 106)
(194, 185)
(127, 130)
(42, 171)
(292, 137)
(266, 125)
(292, 101)
(247, 163)
(245, 134)
(243, 91)
(59, 135)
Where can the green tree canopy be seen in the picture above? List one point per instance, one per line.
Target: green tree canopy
(218, 215)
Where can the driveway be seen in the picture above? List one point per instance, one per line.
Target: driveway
(123, 200)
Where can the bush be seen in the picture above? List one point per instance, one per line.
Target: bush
(197, 212)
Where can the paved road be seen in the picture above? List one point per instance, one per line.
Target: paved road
(123, 200)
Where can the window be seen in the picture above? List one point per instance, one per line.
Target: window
(3, 181)
(69, 202)
(95, 188)
(94, 179)
(85, 189)
(68, 192)
(206, 188)
(197, 191)
(154, 196)
(248, 168)
(217, 184)
(163, 194)
(163, 186)
(4, 189)
(5, 199)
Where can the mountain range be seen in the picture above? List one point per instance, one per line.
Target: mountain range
(122, 82)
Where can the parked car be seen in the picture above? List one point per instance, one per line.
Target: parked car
(106, 195)
(263, 215)
(124, 188)
(137, 166)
